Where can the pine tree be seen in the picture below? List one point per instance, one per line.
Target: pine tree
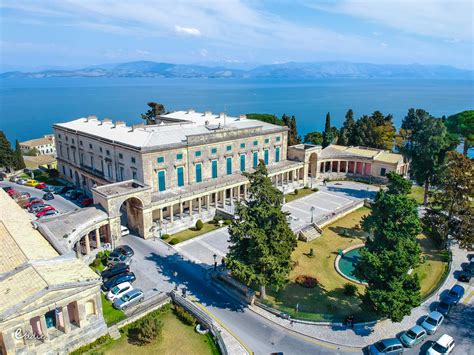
(152, 114)
(261, 241)
(346, 135)
(19, 161)
(462, 124)
(328, 134)
(290, 122)
(7, 159)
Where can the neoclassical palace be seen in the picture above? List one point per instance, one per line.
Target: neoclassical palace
(189, 166)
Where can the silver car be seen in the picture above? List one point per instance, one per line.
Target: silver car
(413, 336)
(129, 299)
(432, 322)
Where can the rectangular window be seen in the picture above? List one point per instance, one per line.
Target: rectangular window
(134, 174)
(197, 154)
(67, 138)
(180, 172)
(59, 136)
(72, 141)
(198, 172)
(64, 170)
(277, 154)
(92, 161)
(133, 160)
(255, 143)
(107, 152)
(265, 156)
(228, 148)
(121, 172)
(161, 180)
(100, 148)
(383, 172)
(242, 145)
(120, 156)
(229, 166)
(214, 151)
(255, 159)
(80, 143)
(242, 162)
(179, 156)
(160, 160)
(278, 139)
(90, 145)
(214, 169)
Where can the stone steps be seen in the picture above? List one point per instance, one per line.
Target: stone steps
(114, 332)
(309, 233)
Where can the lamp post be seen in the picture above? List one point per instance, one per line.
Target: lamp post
(312, 213)
(215, 262)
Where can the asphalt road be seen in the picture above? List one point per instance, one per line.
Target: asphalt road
(59, 202)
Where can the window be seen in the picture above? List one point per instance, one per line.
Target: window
(198, 172)
(109, 170)
(214, 169)
(59, 136)
(67, 138)
(70, 173)
(179, 156)
(80, 143)
(255, 143)
(229, 166)
(72, 141)
(133, 160)
(242, 162)
(383, 172)
(107, 152)
(92, 161)
(100, 148)
(228, 148)
(242, 145)
(64, 170)
(160, 160)
(278, 139)
(120, 156)
(265, 156)
(277, 154)
(197, 153)
(180, 172)
(90, 145)
(214, 151)
(134, 174)
(255, 159)
(121, 173)
(161, 180)
(267, 140)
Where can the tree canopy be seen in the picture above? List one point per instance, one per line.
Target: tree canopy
(346, 134)
(314, 138)
(330, 133)
(375, 131)
(290, 122)
(19, 161)
(7, 158)
(397, 184)
(462, 125)
(151, 116)
(261, 241)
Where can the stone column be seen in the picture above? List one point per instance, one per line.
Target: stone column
(216, 199)
(67, 322)
(88, 244)
(231, 196)
(181, 210)
(78, 250)
(238, 193)
(171, 213)
(223, 197)
(160, 216)
(97, 238)
(44, 327)
(245, 191)
(363, 168)
(199, 206)
(190, 203)
(208, 202)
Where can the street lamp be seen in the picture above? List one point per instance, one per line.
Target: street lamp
(215, 262)
(312, 213)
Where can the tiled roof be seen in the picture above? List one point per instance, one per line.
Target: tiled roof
(334, 151)
(37, 142)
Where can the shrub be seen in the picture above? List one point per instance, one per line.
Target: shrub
(315, 189)
(165, 236)
(306, 188)
(184, 315)
(350, 289)
(53, 173)
(295, 192)
(174, 241)
(199, 225)
(96, 262)
(146, 330)
(86, 348)
(227, 222)
(306, 281)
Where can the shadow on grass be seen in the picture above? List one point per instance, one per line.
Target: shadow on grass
(349, 232)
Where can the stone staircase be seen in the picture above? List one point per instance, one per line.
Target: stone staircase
(309, 232)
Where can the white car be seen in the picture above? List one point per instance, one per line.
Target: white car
(124, 231)
(444, 345)
(118, 291)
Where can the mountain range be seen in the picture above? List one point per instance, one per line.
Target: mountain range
(291, 70)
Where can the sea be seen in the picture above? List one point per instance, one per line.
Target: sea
(29, 107)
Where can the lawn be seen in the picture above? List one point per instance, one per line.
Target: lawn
(111, 315)
(301, 193)
(193, 232)
(327, 301)
(417, 193)
(177, 338)
(43, 176)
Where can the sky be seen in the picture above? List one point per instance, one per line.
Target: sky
(75, 33)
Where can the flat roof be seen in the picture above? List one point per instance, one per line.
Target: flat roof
(38, 141)
(335, 151)
(174, 128)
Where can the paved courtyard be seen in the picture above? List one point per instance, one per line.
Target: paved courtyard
(329, 199)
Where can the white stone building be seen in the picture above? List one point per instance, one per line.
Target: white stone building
(44, 145)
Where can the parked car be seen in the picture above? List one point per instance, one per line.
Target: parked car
(14, 178)
(12, 192)
(455, 294)
(114, 281)
(48, 213)
(129, 299)
(72, 194)
(7, 188)
(48, 196)
(65, 189)
(115, 270)
(386, 346)
(41, 186)
(124, 231)
(87, 201)
(116, 257)
(464, 276)
(470, 267)
(432, 322)
(413, 336)
(33, 201)
(37, 207)
(31, 183)
(21, 181)
(43, 211)
(444, 345)
(49, 188)
(118, 291)
(444, 307)
(25, 195)
(125, 250)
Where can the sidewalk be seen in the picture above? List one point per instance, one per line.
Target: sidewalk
(363, 335)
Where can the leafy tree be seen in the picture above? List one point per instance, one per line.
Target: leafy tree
(346, 135)
(146, 330)
(397, 184)
(7, 158)
(425, 141)
(261, 242)
(265, 117)
(314, 138)
(290, 122)
(19, 161)
(450, 212)
(462, 124)
(375, 131)
(33, 152)
(328, 134)
(152, 114)
(390, 252)
(199, 225)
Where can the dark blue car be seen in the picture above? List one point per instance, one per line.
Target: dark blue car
(455, 294)
(114, 281)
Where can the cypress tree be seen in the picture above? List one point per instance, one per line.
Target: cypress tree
(19, 161)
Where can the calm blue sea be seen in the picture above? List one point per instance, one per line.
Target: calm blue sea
(29, 107)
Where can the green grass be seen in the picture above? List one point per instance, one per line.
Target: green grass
(192, 232)
(43, 176)
(111, 315)
(417, 193)
(301, 193)
(177, 338)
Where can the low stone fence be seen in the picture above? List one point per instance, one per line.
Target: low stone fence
(329, 218)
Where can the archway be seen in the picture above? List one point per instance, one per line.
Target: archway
(313, 163)
(132, 215)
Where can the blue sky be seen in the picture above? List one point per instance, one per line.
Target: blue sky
(73, 33)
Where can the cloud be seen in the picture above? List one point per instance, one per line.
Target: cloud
(383, 44)
(203, 52)
(187, 31)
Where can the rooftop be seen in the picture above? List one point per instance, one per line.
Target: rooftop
(174, 128)
(342, 152)
(38, 141)
(39, 160)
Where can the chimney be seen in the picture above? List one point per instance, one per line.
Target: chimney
(221, 114)
(137, 126)
(120, 124)
(91, 118)
(207, 113)
(107, 120)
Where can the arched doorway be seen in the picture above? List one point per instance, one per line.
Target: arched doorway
(132, 215)
(313, 163)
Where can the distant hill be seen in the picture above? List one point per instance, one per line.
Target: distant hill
(290, 70)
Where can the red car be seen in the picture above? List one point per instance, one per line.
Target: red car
(12, 192)
(41, 186)
(86, 202)
(44, 210)
(33, 201)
